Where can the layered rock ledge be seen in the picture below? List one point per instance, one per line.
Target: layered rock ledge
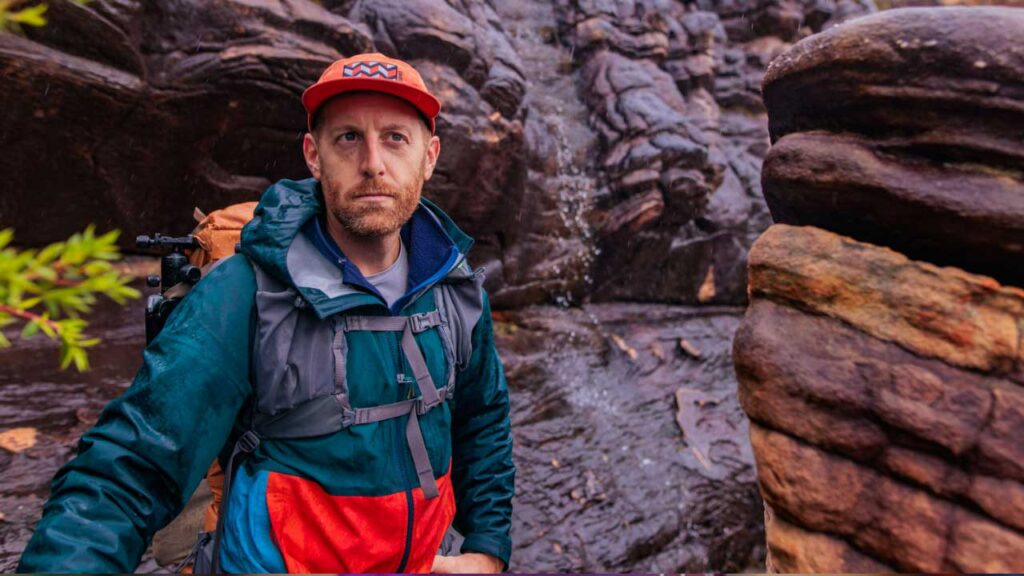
(885, 387)
(887, 401)
(906, 129)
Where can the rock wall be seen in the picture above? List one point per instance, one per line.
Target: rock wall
(595, 151)
(886, 388)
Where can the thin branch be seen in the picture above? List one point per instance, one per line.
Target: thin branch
(30, 317)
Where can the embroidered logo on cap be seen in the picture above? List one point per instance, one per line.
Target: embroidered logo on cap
(371, 69)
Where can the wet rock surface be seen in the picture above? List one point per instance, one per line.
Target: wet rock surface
(607, 480)
(632, 455)
(673, 91)
(582, 143)
(906, 129)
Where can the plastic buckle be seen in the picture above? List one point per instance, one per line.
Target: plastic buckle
(348, 418)
(418, 323)
(350, 324)
(248, 442)
(422, 407)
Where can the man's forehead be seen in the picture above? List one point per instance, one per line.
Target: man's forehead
(369, 106)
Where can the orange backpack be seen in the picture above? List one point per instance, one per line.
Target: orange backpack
(219, 232)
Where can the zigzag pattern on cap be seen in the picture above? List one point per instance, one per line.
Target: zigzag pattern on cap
(371, 69)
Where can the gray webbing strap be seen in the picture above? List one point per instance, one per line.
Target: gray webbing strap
(429, 396)
(379, 413)
(418, 322)
(420, 459)
(339, 365)
(429, 399)
(428, 391)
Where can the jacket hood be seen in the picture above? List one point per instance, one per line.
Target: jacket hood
(274, 240)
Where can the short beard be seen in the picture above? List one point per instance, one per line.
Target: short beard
(369, 221)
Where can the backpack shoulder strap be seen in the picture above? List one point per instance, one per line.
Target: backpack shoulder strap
(459, 300)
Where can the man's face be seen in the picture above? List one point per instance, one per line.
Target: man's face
(371, 153)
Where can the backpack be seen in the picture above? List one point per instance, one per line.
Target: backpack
(218, 234)
(458, 303)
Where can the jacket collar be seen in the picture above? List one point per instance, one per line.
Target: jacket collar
(275, 240)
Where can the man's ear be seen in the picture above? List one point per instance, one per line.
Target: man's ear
(433, 150)
(311, 154)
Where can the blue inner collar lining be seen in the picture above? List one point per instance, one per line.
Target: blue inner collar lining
(431, 253)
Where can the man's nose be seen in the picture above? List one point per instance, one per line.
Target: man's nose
(373, 161)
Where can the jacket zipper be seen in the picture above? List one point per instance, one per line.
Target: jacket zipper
(404, 390)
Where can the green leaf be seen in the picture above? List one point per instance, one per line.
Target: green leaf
(80, 359)
(28, 303)
(4, 342)
(46, 273)
(31, 16)
(89, 342)
(96, 267)
(65, 357)
(110, 238)
(45, 326)
(48, 254)
(30, 330)
(6, 235)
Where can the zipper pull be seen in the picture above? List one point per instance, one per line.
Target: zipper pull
(409, 390)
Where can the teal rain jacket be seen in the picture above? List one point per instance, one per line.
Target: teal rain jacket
(347, 501)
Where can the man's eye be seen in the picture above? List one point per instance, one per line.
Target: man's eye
(396, 137)
(348, 137)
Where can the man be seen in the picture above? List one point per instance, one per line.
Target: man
(348, 354)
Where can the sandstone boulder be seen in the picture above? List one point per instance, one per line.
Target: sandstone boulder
(906, 129)
(887, 395)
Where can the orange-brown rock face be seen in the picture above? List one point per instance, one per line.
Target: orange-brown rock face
(887, 397)
(886, 388)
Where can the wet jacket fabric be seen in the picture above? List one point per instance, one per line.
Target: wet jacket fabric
(343, 502)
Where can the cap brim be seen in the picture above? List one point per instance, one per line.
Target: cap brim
(316, 95)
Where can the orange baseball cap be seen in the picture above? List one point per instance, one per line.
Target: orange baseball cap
(376, 73)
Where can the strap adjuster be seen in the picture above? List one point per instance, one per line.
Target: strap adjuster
(248, 442)
(419, 323)
(422, 407)
(348, 418)
(353, 323)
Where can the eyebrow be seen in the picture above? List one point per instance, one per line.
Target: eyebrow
(351, 128)
(342, 128)
(396, 126)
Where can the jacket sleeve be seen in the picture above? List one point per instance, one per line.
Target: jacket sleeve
(138, 466)
(483, 474)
